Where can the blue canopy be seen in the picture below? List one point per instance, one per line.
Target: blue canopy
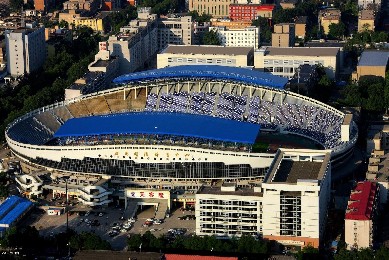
(162, 123)
(215, 72)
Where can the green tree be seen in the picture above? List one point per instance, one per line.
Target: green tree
(265, 29)
(337, 31)
(63, 24)
(16, 5)
(134, 241)
(211, 38)
(308, 252)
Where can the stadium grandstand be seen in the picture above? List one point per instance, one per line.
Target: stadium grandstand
(184, 123)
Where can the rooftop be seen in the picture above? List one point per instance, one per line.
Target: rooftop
(299, 19)
(301, 51)
(329, 44)
(361, 203)
(374, 58)
(286, 170)
(207, 50)
(366, 15)
(290, 171)
(212, 72)
(214, 190)
(103, 63)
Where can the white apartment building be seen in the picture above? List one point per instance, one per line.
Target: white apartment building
(246, 37)
(26, 50)
(360, 216)
(296, 193)
(177, 55)
(284, 61)
(290, 206)
(178, 31)
(136, 43)
(228, 211)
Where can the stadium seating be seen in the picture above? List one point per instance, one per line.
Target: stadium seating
(311, 121)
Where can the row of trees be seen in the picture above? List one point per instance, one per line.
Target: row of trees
(47, 85)
(31, 242)
(371, 93)
(246, 244)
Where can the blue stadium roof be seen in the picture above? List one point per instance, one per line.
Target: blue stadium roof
(12, 208)
(160, 123)
(203, 71)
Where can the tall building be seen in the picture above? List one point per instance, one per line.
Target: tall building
(216, 8)
(136, 43)
(249, 12)
(82, 18)
(296, 193)
(43, 5)
(290, 206)
(178, 31)
(26, 50)
(284, 61)
(283, 35)
(361, 214)
(177, 55)
(246, 37)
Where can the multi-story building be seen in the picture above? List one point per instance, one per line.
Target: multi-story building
(43, 5)
(100, 74)
(198, 31)
(327, 17)
(283, 35)
(228, 211)
(216, 8)
(230, 24)
(136, 43)
(178, 31)
(249, 12)
(373, 63)
(26, 50)
(296, 193)
(366, 20)
(284, 61)
(290, 206)
(177, 55)
(377, 149)
(361, 214)
(88, 5)
(363, 4)
(29, 184)
(81, 18)
(300, 26)
(247, 37)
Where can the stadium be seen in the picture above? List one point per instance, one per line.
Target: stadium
(189, 125)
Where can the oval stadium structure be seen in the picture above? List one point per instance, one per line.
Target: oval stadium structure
(182, 123)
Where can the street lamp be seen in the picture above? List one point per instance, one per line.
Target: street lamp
(66, 178)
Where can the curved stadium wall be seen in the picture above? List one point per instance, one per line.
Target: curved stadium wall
(239, 95)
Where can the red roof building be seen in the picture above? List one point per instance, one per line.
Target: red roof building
(360, 219)
(249, 12)
(362, 201)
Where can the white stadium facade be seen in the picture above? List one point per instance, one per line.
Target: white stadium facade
(194, 129)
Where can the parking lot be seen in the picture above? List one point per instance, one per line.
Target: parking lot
(103, 221)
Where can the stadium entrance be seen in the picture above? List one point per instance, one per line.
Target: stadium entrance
(159, 199)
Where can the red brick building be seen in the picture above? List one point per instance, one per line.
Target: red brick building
(249, 12)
